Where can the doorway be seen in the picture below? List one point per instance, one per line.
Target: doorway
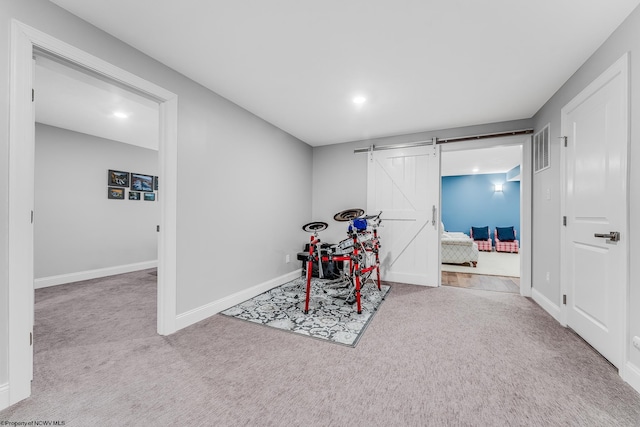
(21, 195)
(90, 225)
(495, 175)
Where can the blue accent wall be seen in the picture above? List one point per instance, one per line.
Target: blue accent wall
(469, 200)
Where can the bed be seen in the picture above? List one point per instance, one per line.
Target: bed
(458, 248)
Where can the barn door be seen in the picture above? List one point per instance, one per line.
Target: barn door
(404, 184)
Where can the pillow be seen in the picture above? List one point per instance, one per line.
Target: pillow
(506, 234)
(480, 233)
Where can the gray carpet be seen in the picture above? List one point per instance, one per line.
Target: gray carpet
(430, 357)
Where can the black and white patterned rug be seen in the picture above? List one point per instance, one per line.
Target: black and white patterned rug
(331, 317)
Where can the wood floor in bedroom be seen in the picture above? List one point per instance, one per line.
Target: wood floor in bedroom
(481, 282)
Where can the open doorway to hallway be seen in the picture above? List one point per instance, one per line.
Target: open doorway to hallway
(94, 143)
(93, 222)
(26, 42)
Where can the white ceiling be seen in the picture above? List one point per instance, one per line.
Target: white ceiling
(421, 64)
(70, 99)
(499, 159)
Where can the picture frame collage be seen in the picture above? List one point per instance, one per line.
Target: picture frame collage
(123, 185)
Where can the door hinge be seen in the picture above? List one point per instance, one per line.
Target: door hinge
(33, 95)
(564, 221)
(31, 217)
(158, 228)
(30, 338)
(564, 299)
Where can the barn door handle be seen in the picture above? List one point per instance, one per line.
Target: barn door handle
(613, 236)
(433, 215)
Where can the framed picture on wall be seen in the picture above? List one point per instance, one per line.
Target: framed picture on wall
(134, 195)
(155, 183)
(118, 178)
(150, 196)
(141, 182)
(115, 193)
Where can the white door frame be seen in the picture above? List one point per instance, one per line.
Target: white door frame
(620, 66)
(526, 207)
(21, 194)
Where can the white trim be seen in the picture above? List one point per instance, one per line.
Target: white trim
(200, 313)
(167, 237)
(546, 304)
(61, 279)
(563, 210)
(4, 395)
(21, 178)
(526, 217)
(21, 171)
(632, 376)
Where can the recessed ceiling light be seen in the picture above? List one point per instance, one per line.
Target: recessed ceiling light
(359, 100)
(120, 114)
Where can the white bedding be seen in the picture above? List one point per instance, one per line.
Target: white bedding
(458, 248)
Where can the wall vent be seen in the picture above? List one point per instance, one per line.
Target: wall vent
(541, 154)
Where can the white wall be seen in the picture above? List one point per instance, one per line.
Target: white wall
(243, 185)
(546, 219)
(77, 229)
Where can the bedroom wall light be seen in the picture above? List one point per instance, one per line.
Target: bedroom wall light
(497, 188)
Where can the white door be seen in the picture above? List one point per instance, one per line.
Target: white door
(404, 184)
(595, 274)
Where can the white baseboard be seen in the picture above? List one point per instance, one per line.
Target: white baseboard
(546, 304)
(196, 315)
(632, 375)
(62, 279)
(4, 396)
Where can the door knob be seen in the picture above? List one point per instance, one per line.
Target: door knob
(613, 236)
